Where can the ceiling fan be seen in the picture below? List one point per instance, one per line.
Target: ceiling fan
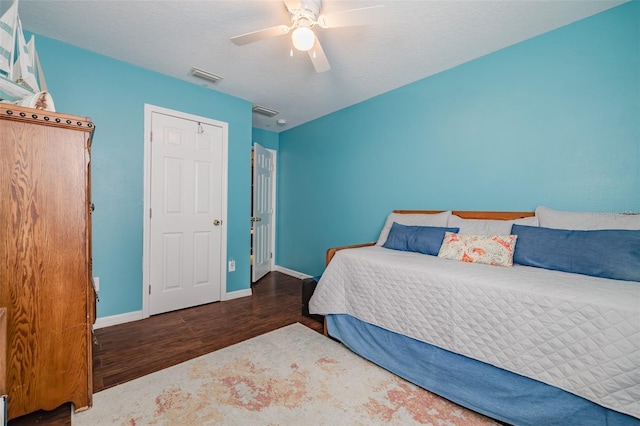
(305, 15)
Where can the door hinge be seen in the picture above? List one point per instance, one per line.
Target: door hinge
(150, 136)
(270, 255)
(149, 288)
(149, 213)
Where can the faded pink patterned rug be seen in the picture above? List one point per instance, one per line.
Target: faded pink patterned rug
(290, 376)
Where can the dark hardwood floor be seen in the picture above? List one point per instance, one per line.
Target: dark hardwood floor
(128, 351)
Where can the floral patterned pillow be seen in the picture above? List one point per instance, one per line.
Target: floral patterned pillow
(490, 250)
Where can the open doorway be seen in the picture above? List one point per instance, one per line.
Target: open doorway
(263, 172)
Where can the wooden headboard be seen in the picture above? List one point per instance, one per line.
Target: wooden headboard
(474, 214)
(461, 213)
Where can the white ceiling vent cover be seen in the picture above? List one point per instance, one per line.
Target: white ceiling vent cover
(264, 111)
(205, 75)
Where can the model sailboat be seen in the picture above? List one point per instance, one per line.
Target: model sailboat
(21, 78)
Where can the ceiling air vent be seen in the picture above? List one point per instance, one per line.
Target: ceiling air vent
(264, 111)
(205, 75)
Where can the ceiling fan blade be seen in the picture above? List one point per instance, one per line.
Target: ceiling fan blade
(346, 18)
(318, 58)
(243, 39)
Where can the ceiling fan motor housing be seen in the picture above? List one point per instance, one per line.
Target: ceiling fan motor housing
(307, 14)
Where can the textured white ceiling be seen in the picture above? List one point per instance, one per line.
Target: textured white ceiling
(414, 40)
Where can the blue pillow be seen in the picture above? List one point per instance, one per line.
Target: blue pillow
(609, 253)
(420, 239)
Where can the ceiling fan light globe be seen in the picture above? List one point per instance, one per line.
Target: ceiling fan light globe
(303, 38)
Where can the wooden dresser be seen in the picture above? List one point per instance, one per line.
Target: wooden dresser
(45, 258)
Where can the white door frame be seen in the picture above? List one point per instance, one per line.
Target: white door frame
(274, 203)
(274, 185)
(148, 110)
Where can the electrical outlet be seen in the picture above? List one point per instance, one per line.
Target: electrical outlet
(96, 283)
(232, 265)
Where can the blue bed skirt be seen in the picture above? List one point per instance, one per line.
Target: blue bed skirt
(481, 387)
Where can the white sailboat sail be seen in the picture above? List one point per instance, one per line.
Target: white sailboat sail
(36, 62)
(23, 71)
(8, 24)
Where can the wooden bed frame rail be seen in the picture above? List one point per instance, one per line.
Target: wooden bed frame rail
(461, 213)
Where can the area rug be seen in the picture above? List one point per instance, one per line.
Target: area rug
(290, 376)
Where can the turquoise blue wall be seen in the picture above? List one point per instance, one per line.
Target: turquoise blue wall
(265, 138)
(113, 94)
(552, 121)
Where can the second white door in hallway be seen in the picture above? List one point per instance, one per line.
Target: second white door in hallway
(262, 227)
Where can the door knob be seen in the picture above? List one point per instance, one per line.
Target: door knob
(217, 222)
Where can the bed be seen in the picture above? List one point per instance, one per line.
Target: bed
(526, 345)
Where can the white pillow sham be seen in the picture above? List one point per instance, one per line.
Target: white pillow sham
(488, 227)
(585, 221)
(422, 219)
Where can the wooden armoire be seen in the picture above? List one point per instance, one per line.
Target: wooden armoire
(45, 258)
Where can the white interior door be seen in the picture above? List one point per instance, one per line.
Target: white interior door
(262, 212)
(185, 263)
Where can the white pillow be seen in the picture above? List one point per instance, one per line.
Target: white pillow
(422, 219)
(586, 221)
(488, 227)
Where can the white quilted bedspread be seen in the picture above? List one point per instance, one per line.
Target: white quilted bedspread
(576, 332)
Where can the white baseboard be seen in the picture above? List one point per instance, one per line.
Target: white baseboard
(237, 294)
(117, 319)
(291, 272)
(3, 410)
(137, 315)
